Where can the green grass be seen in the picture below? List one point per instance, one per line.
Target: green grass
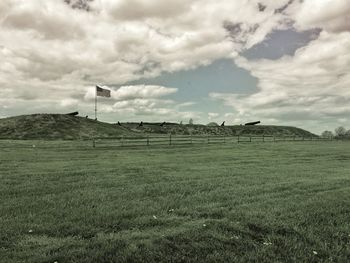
(272, 202)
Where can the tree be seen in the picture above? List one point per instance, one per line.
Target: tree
(190, 121)
(327, 134)
(347, 134)
(340, 131)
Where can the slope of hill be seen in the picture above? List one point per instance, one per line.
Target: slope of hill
(56, 126)
(234, 130)
(60, 126)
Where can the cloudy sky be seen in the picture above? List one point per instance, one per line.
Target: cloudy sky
(282, 62)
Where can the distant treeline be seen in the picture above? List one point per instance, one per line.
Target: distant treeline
(339, 133)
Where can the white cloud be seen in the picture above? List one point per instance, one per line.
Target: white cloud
(212, 115)
(119, 41)
(331, 15)
(141, 9)
(141, 91)
(69, 102)
(43, 21)
(51, 52)
(311, 87)
(152, 109)
(142, 101)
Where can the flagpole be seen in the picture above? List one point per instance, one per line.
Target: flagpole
(96, 103)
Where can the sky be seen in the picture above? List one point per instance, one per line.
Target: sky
(281, 62)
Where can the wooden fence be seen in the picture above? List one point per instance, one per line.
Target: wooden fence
(153, 140)
(169, 140)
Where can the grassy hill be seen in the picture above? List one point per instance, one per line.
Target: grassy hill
(57, 126)
(60, 126)
(233, 130)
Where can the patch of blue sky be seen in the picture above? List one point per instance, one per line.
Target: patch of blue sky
(222, 76)
(280, 43)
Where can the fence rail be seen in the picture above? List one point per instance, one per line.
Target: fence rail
(153, 140)
(196, 139)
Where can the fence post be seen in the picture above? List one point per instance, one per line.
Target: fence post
(238, 139)
(147, 140)
(250, 138)
(122, 140)
(191, 138)
(208, 139)
(170, 139)
(263, 138)
(93, 143)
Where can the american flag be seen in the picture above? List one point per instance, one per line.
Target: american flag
(103, 92)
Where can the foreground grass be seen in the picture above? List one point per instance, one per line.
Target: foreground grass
(282, 202)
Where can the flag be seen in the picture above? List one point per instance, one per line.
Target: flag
(103, 92)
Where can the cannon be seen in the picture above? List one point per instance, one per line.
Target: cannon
(252, 123)
(223, 124)
(75, 113)
(141, 124)
(162, 124)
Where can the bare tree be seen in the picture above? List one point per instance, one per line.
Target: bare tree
(347, 134)
(340, 131)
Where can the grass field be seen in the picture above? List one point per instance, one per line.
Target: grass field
(272, 202)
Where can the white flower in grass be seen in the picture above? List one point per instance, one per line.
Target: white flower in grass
(204, 225)
(171, 210)
(154, 217)
(30, 231)
(267, 243)
(34, 146)
(315, 252)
